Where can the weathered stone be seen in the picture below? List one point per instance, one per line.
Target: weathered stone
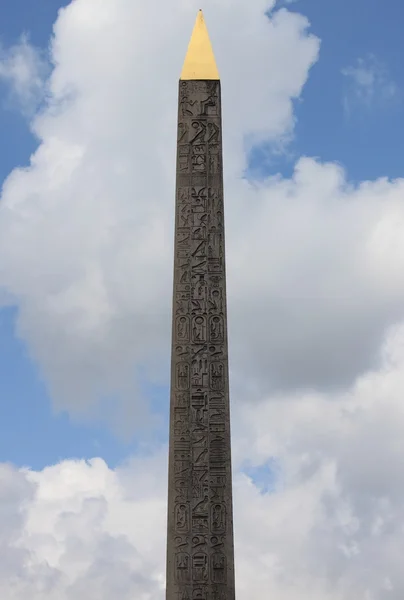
(200, 555)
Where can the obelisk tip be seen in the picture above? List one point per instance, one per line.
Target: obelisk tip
(200, 61)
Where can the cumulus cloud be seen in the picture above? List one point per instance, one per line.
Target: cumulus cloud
(24, 70)
(368, 84)
(86, 230)
(313, 260)
(333, 526)
(314, 281)
(320, 279)
(79, 530)
(330, 529)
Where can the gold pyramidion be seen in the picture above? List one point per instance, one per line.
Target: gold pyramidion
(200, 61)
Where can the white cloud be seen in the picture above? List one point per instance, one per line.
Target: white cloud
(368, 83)
(315, 265)
(24, 69)
(332, 529)
(315, 281)
(313, 261)
(79, 530)
(334, 526)
(86, 230)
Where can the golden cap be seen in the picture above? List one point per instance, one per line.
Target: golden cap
(200, 61)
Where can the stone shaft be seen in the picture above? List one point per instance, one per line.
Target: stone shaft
(200, 555)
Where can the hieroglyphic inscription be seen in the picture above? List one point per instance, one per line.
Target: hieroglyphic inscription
(200, 563)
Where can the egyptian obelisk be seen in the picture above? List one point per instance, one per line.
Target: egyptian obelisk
(200, 555)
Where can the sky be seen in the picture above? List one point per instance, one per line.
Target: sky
(314, 188)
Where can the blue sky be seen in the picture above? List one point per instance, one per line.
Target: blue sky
(17, 18)
(315, 293)
(338, 119)
(367, 142)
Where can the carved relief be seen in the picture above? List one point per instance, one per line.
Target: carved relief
(183, 329)
(215, 281)
(200, 439)
(206, 107)
(199, 329)
(200, 219)
(215, 201)
(199, 456)
(199, 411)
(217, 376)
(200, 420)
(219, 594)
(217, 481)
(201, 508)
(197, 350)
(198, 307)
(184, 274)
(199, 542)
(181, 462)
(213, 133)
(199, 132)
(217, 456)
(216, 329)
(181, 466)
(183, 238)
(199, 234)
(215, 246)
(200, 483)
(215, 265)
(216, 542)
(187, 106)
(199, 267)
(184, 593)
(198, 159)
(181, 488)
(181, 542)
(217, 417)
(200, 516)
(181, 425)
(199, 375)
(182, 351)
(182, 518)
(181, 305)
(182, 567)
(199, 287)
(218, 561)
(217, 431)
(199, 196)
(182, 399)
(199, 249)
(199, 594)
(216, 352)
(182, 444)
(200, 567)
(218, 518)
(183, 133)
(200, 521)
(183, 291)
(184, 215)
(183, 158)
(215, 301)
(214, 162)
(182, 195)
(209, 106)
(182, 376)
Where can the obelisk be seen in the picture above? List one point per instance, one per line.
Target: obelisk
(200, 555)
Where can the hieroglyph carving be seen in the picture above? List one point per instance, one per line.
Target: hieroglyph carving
(200, 564)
